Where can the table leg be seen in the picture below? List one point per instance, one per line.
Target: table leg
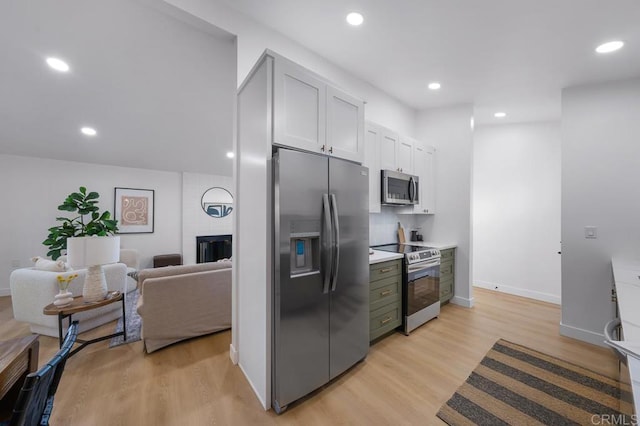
(124, 320)
(60, 329)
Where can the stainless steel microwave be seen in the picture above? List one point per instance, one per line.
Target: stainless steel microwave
(399, 188)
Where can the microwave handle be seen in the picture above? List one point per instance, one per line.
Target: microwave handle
(412, 189)
(415, 190)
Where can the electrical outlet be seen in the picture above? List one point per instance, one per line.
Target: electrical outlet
(15, 263)
(590, 232)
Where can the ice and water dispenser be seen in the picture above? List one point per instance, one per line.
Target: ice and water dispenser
(305, 253)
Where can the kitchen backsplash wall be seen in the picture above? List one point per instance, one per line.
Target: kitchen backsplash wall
(383, 226)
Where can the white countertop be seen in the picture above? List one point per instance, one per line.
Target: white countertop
(383, 256)
(626, 274)
(439, 246)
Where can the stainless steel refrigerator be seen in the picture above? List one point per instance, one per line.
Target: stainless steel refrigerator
(321, 272)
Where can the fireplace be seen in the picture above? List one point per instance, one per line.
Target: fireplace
(211, 248)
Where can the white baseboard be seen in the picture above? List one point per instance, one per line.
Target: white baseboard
(461, 301)
(531, 294)
(255, 391)
(584, 335)
(5, 292)
(233, 354)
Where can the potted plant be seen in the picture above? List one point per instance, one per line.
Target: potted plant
(88, 222)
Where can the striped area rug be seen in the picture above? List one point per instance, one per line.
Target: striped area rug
(514, 385)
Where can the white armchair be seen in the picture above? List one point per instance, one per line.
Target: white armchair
(32, 290)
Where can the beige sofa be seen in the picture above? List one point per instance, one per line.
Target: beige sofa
(181, 302)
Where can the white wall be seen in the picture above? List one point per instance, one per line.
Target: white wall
(383, 226)
(516, 209)
(195, 222)
(254, 38)
(449, 131)
(600, 178)
(33, 188)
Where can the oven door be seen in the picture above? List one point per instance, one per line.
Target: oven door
(423, 286)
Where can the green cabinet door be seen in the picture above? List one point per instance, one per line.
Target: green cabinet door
(447, 275)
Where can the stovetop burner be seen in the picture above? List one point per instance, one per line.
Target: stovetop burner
(412, 254)
(401, 248)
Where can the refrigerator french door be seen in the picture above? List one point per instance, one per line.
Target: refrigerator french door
(321, 272)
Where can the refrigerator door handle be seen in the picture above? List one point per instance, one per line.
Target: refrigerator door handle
(336, 242)
(327, 249)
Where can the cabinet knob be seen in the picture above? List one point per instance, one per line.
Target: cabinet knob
(426, 211)
(322, 148)
(331, 150)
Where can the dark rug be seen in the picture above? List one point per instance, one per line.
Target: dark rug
(515, 385)
(133, 321)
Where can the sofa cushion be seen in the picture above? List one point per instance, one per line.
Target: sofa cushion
(179, 270)
(43, 264)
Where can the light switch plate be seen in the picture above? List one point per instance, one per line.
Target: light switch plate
(590, 232)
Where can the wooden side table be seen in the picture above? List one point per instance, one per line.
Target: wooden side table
(18, 357)
(79, 305)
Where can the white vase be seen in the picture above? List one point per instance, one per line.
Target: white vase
(63, 298)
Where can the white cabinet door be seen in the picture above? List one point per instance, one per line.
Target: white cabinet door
(299, 108)
(345, 124)
(419, 167)
(424, 168)
(372, 161)
(405, 155)
(388, 150)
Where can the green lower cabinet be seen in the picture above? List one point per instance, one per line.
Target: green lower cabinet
(447, 275)
(385, 298)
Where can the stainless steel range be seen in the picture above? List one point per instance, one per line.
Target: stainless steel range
(420, 283)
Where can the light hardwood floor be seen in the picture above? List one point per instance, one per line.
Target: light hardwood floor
(403, 381)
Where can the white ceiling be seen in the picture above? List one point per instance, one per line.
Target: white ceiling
(159, 91)
(501, 55)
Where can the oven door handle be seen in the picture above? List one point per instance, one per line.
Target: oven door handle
(416, 267)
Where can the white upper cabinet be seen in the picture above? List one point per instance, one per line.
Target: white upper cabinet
(405, 155)
(423, 168)
(311, 115)
(385, 150)
(388, 149)
(372, 161)
(345, 123)
(300, 108)
(396, 152)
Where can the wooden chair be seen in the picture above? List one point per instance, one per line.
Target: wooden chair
(35, 401)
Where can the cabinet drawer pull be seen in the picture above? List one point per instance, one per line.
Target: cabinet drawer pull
(384, 293)
(386, 320)
(383, 270)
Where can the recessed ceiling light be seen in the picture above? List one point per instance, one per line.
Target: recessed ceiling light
(58, 64)
(500, 114)
(434, 86)
(230, 154)
(89, 131)
(609, 47)
(355, 18)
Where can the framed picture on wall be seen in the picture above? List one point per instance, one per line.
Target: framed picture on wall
(134, 209)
